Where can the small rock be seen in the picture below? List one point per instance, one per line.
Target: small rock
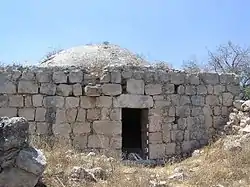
(91, 154)
(246, 106)
(154, 183)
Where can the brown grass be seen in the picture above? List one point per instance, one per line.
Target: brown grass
(211, 168)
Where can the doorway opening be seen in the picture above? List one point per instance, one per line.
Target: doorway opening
(134, 131)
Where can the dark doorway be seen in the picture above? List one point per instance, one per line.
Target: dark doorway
(134, 131)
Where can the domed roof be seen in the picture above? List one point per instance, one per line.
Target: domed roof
(94, 55)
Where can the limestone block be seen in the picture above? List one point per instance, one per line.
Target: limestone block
(197, 100)
(48, 88)
(228, 79)
(71, 114)
(37, 100)
(183, 123)
(104, 101)
(183, 111)
(72, 102)
(162, 103)
(59, 77)
(155, 123)
(7, 87)
(98, 141)
(177, 78)
(217, 110)
(155, 137)
(115, 114)
(111, 89)
(170, 148)
(80, 142)
(235, 90)
(135, 86)
(196, 111)
(169, 89)
(44, 76)
(171, 111)
(209, 78)
(185, 100)
(8, 112)
(40, 114)
(156, 151)
(227, 99)
(105, 77)
(218, 89)
(166, 132)
(77, 89)
(27, 113)
(92, 90)
(105, 114)
(177, 135)
(28, 75)
(94, 114)
(212, 100)
(210, 89)
(64, 90)
(75, 76)
(174, 99)
(81, 115)
(187, 146)
(193, 79)
(201, 90)
(138, 75)
(16, 101)
(190, 90)
(16, 74)
(3, 100)
(89, 79)
(116, 142)
(158, 97)
(42, 128)
(87, 102)
(218, 121)
(29, 87)
(32, 128)
(80, 128)
(133, 101)
(224, 111)
(28, 101)
(61, 130)
(53, 101)
(61, 116)
(127, 74)
(180, 89)
(153, 89)
(116, 77)
(107, 127)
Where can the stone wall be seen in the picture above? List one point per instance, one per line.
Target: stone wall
(84, 110)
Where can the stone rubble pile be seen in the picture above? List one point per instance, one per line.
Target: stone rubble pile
(239, 118)
(20, 164)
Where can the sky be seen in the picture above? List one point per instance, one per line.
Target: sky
(166, 30)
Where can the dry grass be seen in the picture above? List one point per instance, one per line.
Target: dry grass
(211, 168)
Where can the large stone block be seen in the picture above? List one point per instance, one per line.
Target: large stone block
(104, 101)
(87, 102)
(81, 115)
(16, 101)
(68, 115)
(37, 100)
(40, 114)
(190, 90)
(53, 101)
(116, 142)
(42, 128)
(44, 76)
(193, 79)
(28, 101)
(77, 89)
(116, 77)
(155, 123)
(8, 112)
(29, 87)
(75, 76)
(185, 100)
(209, 78)
(90, 90)
(153, 89)
(234, 89)
(201, 90)
(155, 137)
(170, 148)
(48, 88)
(80, 142)
(166, 132)
(105, 77)
(177, 78)
(72, 102)
(183, 111)
(169, 89)
(94, 114)
(27, 113)
(64, 90)
(111, 89)
(218, 89)
(59, 77)
(98, 141)
(212, 100)
(133, 101)
(135, 86)
(115, 114)
(61, 130)
(156, 151)
(227, 99)
(28, 75)
(7, 87)
(3, 100)
(197, 100)
(107, 127)
(80, 128)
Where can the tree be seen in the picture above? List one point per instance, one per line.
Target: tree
(192, 66)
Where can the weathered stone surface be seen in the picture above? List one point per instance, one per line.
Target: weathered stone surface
(115, 114)
(81, 115)
(153, 89)
(169, 89)
(116, 142)
(93, 114)
(8, 112)
(81, 128)
(42, 128)
(87, 102)
(40, 114)
(64, 89)
(27, 87)
(111, 89)
(115, 77)
(27, 113)
(77, 89)
(170, 148)
(98, 141)
(53, 101)
(155, 123)
(43, 76)
(209, 78)
(155, 137)
(227, 99)
(80, 142)
(76, 76)
(104, 101)
(48, 88)
(37, 100)
(107, 127)
(133, 101)
(92, 90)
(61, 130)
(3, 100)
(59, 77)
(16, 101)
(156, 151)
(7, 87)
(178, 78)
(135, 86)
(72, 102)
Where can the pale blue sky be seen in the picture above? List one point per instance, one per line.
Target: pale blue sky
(169, 30)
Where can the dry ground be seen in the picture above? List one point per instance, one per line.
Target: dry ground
(213, 167)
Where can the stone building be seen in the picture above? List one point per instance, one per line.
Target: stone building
(131, 108)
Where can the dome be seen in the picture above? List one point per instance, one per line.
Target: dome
(94, 55)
